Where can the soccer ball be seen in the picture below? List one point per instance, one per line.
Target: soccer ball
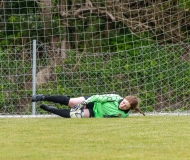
(77, 113)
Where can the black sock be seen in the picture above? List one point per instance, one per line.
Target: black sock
(61, 112)
(58, 99)
(91, 113)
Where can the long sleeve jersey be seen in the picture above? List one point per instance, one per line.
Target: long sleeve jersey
(107, 105)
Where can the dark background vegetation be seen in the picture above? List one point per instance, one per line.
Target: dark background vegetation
(94, 47)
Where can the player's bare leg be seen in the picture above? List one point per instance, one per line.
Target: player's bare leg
(75, 101)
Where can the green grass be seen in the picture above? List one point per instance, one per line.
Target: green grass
(159, 137)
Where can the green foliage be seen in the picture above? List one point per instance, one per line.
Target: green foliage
(126, 41)
(152, 72)
(20, 19)
(185, 4)
(108, 58)
(9, 95)
(14, 72)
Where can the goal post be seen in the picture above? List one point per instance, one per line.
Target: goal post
(92, 47)
(34, 76)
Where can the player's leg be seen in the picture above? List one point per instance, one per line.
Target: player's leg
(75, 101)
(65, 100)
(60, 112)
(69, 113)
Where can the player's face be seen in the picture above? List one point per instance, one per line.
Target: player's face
(124, 105)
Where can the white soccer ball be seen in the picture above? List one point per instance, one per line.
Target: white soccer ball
(77, 114)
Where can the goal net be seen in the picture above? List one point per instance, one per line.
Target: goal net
(87, 47)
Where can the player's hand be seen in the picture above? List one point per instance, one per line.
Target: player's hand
(83, 103)
(78, 106)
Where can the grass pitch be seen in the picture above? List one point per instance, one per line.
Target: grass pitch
(138, 138)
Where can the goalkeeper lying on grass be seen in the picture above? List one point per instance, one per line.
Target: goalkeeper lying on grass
(98, 106)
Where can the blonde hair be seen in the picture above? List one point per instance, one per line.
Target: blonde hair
(134, 103)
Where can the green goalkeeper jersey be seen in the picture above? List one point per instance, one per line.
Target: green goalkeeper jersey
(107, 105)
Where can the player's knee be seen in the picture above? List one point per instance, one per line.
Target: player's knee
(75, 101)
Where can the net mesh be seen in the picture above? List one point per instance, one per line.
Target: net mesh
(96, 47)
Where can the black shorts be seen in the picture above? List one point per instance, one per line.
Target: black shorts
(90, 106)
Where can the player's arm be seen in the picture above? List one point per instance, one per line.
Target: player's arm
(112, 116)
(103, 98)
(116, 115)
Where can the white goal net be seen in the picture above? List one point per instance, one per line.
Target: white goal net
(87, 47)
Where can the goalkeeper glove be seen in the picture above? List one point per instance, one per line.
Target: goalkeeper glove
(78, 106)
